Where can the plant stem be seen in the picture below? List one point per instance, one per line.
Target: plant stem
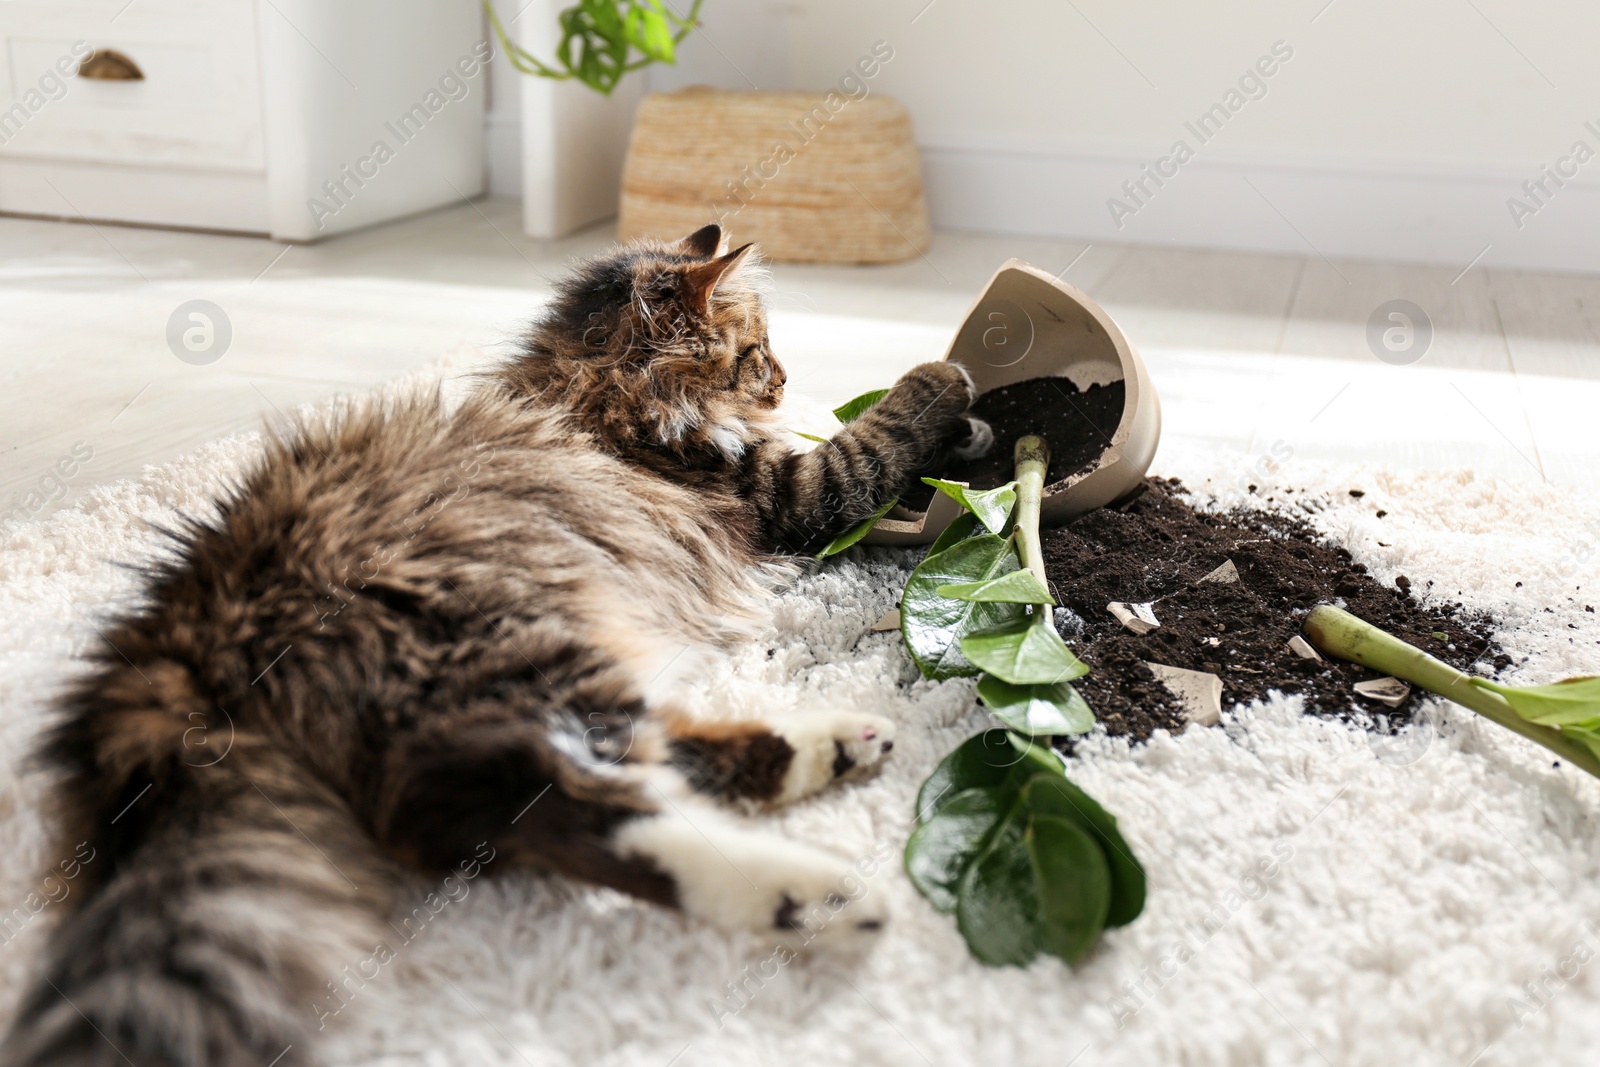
(1343, 635)
(1032, 456)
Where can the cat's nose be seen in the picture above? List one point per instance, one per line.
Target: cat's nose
(779, 375)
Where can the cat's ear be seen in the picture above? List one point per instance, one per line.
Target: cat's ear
(706, 241)
(701, 281)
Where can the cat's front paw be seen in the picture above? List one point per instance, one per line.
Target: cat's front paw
(830, 746)
(948, 385)
(980, 438)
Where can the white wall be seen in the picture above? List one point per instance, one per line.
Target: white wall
(1397, 130)
(744, 44)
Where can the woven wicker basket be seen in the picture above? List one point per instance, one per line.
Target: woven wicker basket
(813, 178)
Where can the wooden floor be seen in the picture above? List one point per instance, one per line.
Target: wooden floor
(1249, 352)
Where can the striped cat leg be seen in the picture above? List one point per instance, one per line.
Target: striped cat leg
(548, 789)
(804, 500)
(634, 827)
(781, 759)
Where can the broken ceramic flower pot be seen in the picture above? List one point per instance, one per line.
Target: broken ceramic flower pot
(1028, 326)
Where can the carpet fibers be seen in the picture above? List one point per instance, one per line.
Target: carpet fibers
(1318, 894)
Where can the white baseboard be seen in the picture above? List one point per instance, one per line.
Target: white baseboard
(1441, 218)
(234, 201)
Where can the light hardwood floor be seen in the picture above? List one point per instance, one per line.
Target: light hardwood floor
(1248, 351)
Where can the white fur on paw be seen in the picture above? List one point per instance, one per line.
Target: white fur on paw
(972, 389)
(979, 440)
(824, 901)
(828, 746)
(741, 879)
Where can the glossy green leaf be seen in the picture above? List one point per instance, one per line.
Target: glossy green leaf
(994, 759)
(1018, 587)
(939, 851)
(1040, 710)
(852, 409)
(933, 626)
(997, 904)
(1024, 651)
(1569, 702)
(962, 528)
(991, 506)
(1059, 797)
(850, 537)
(1074, 885)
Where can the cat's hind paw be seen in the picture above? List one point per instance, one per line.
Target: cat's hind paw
(744, 880)
(830, 746)
(823, 901)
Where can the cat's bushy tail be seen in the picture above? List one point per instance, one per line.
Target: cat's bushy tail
(216, 939)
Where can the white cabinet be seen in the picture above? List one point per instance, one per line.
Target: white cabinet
(298, 118)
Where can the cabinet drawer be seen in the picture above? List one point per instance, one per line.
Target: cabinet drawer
(198, 103)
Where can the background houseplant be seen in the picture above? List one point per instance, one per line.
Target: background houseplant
(577, 106)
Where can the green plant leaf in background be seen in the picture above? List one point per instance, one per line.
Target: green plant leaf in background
(1571, 702)
(1040, 710)
(940, 849)
(991, 506)
(1018, 587)
(1074, 886)
(1024, 651)
(855, 533)
(851, 409)
(934, 625)
(1059, 797)
(598, 37)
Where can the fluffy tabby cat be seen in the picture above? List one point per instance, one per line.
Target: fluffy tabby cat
(434, 637)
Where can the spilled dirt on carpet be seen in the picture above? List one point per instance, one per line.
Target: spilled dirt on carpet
(1155, 549)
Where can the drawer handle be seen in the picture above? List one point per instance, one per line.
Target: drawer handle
(107, 64)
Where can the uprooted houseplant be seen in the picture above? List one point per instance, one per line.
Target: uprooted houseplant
(1563, 717)
(1026, 860)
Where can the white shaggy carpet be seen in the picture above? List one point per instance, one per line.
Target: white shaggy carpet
(1316, 896)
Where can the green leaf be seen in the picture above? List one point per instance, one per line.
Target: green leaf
(994, 759)
(992, 506)
(940, 850)
(850, 537)
(933, 626)
(1566, 703)
(1018, 587)
(997, 904)
(851, 409)
(1588, 733)
(810, 436)
(1074, 885)
(959, 530)
(1057, 796)
(1039, 710)
(1023, 652)
(650, 33)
